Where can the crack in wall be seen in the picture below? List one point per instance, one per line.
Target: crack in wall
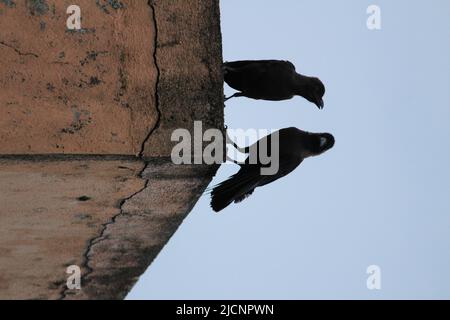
(151, 4)
(20, 53)
(92, 242)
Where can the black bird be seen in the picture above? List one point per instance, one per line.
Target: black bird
(271, 80)
(295, 145)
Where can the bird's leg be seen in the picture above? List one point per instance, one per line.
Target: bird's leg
(226, 99)
(245, 150)
(232, 160)
(237, 94)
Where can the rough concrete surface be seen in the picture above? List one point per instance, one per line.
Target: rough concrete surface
(129, 244)
(85, 123)
(49, 211)
(189, 58)
(89, 91)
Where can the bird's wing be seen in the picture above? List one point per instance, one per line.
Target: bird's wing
(258, 66)
(290, 65)
(235, 188)
(285, 167)
(241, 185)
(249, 63)
(256, 148)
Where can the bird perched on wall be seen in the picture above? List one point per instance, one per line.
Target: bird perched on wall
(271, 80)
(294, 145)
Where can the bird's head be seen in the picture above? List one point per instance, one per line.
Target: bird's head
(321, 143)
(315, 92)
(310, 88)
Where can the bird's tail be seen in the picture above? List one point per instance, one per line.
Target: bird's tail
(234, 189)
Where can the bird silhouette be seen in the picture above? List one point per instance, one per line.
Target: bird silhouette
(271, 80)
(294, 145)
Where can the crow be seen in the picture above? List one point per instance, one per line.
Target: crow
(271, 80)
(294, 145)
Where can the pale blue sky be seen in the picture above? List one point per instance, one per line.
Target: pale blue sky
(381, 196)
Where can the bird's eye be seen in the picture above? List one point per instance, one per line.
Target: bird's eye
(323, 141)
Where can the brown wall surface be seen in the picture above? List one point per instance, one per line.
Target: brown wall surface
(85, 123)
(76, 92)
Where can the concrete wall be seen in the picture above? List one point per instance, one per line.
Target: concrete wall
(85, 124)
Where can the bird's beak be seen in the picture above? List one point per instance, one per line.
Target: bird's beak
(319, 103)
